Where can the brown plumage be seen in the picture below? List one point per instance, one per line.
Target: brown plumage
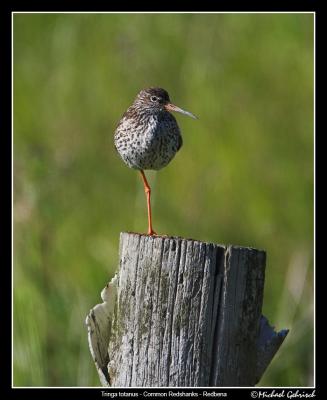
(147, 136)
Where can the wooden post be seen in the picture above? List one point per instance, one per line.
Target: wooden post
(180, 313)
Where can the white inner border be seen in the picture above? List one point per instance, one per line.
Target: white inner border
(256, 388)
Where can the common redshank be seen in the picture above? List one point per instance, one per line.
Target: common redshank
(148, 137)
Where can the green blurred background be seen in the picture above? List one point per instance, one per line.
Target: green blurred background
(244, 175)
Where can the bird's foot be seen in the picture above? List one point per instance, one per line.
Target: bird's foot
(151, 232)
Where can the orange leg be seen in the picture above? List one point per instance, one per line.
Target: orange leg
(147, 190)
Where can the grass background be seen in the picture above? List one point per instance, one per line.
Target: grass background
(244, 175)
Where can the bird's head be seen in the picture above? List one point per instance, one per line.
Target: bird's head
(157, 100)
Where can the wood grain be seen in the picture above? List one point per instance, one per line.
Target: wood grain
(186, 314)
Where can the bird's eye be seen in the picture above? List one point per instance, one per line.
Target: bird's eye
(154, 98)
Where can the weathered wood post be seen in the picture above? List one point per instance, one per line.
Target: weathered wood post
(181, 312)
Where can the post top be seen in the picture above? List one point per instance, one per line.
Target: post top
(180, 239)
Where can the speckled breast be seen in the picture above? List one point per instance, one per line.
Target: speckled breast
(149, 142)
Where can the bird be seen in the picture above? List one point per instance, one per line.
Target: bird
(147, 137)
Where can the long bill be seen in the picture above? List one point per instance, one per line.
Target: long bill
(172, 107)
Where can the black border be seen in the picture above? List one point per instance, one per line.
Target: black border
(6, 73)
